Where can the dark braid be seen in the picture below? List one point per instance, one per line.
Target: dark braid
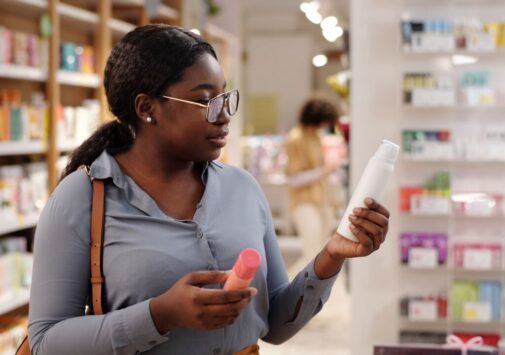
(146, 60)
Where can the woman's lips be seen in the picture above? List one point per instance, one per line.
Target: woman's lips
(219, 141)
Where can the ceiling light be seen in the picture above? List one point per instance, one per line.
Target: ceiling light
(319, 60)
(329, 22)
(332, 34)
(305, 7)
(314, 16)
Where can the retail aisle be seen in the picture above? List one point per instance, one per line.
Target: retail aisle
(327, 334)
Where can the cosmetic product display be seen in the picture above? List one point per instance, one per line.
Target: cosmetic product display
(428, 90)
(470, 34)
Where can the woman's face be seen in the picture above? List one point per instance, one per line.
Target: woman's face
(182, 128)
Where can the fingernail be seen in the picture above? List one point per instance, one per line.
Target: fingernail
(352, 226)
(357, 210)
(368, 200)
(352, 217)
(254, 292)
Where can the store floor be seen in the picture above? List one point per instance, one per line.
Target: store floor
(328, 333)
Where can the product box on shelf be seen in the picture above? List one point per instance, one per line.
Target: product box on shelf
(477, 256)
(477, 204)
(424, 308)
(476, 301)
(424, 250)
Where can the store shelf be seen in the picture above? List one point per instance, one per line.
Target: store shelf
(12, 301)
(454, 108)
(438, 269)
(481, 327)
(468, 274)
(453, 2)
(77, 14)
(439, 325)
(20, 72)
(78, 79)
(22, 148)
(217, 32)
(494, 53)
(21, 223)
(27, 7)
(167, 12)
(451, 161)
(67, 146)
(119, 27)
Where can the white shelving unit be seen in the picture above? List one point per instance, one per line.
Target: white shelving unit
(377, 110)
(23, 222)
(22, 148)
(78, 79)
(459, 119)
(13, 301)
(20, 72)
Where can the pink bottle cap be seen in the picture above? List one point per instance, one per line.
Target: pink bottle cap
(247, 263)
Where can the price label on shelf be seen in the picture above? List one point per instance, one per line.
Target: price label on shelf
(477, 311)
(477, 259)
(423, 310)
(423, 257)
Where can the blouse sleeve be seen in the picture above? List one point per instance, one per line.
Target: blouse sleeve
(285, 295)
(60, 285)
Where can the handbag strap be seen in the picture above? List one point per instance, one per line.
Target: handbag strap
(96, 239)
(96, 236)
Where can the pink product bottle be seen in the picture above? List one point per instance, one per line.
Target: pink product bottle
(244, 270)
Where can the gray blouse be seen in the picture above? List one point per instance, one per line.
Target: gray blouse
(145, 252)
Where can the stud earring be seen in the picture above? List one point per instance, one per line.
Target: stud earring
(149, 119)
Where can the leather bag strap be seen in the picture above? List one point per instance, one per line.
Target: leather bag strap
(96, 251)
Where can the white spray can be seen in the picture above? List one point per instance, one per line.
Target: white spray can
(371, 183)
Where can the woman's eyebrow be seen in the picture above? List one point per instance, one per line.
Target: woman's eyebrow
(203, 86)
(206, 86)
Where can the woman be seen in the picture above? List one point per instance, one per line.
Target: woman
(174, 220)
(312, 209)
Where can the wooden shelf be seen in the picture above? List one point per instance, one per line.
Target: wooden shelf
(167, 12)
(25, 222)
(78, 79)
(77, 14)
(26, 7)
(14, 300)
(120, 28)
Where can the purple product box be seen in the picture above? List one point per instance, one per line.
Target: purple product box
(424, 240)
(428, 350)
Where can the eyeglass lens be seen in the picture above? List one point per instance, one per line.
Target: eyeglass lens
(216, 105)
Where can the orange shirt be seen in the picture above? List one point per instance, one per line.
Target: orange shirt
(305, 152)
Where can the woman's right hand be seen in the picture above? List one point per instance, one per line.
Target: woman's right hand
(187, 304)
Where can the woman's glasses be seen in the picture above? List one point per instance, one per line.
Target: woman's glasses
(215, 105)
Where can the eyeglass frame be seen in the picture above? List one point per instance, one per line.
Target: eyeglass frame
(206, 106)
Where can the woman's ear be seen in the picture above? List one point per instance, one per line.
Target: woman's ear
(144, 108)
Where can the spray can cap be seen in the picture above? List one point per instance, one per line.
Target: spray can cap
(247, 263)
(387, 151)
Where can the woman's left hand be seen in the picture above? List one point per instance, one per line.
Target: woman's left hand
(369, 225)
